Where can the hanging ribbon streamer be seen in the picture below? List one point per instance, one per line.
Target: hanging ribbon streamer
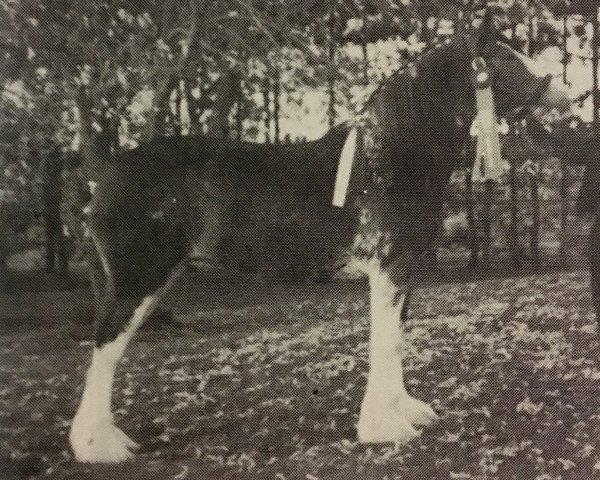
(344, 171)
(488, 160)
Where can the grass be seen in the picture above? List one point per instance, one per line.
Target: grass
(269, 385)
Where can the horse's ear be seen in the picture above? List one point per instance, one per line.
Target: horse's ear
(488, 31)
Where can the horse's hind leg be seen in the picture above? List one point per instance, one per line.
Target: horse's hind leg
(93, 436)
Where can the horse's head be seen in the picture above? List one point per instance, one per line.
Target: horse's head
(517, 80)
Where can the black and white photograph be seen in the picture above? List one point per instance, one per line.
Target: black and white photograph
(299, 239)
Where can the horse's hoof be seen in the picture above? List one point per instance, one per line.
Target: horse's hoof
(393, 420)
(101, 443)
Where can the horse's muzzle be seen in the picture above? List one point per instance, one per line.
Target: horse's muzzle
(548, 102)
(554, 96)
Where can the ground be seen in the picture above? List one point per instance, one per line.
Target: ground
(269, 386)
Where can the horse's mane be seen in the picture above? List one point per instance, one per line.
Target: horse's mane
(423, 61)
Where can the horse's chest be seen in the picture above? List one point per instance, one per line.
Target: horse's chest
(373, 237)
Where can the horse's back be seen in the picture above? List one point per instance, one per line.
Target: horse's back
(276, 199)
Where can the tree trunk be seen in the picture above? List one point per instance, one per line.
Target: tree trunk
(170, 71)
(177, 126)
(331, 51)
(3, 247)
(211, 196)
(530, 33)
(565, 62)
(535, 225)
(364, 47)
(160, 109)
(267, 108)
(239, 116)
(473, 243)
(564, 212)
(365, 63)
(192, 107)
(107, 138)
(226, 94)
(487, 223)
(94, 154)
(513, 241)
(595, 53)
(52, 198)
(331, 95)
(277, 104)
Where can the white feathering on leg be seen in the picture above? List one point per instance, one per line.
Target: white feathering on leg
(388, 413)
(93, 436)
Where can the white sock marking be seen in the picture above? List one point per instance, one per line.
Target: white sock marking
(385, 357)
(94, 437)
(388, 413)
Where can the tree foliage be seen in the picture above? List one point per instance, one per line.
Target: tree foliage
(101, 76)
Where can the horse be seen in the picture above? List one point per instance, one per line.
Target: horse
(141, 227)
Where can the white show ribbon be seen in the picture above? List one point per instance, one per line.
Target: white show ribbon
(344, 171)
(488, 158)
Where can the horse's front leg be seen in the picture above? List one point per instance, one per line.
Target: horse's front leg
(388, 413)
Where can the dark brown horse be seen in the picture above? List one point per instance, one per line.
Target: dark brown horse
(140, 219)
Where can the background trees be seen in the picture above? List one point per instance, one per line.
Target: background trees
(98, 77)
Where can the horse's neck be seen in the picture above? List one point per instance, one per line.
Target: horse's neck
(430, 149)
(442, 78)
